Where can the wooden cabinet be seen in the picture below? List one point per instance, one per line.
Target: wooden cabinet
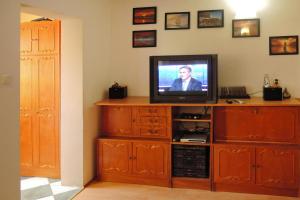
(117, 121)
(234, 164)
(136, 121)
(141, 159)
(264, 124)
(254, 146)
(274, 167)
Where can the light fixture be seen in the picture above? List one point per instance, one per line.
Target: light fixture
(247, 8)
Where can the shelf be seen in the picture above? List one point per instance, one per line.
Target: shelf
(191, 120)
(192, 143)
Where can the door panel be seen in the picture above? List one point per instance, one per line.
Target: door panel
(26, 39)
(46, 34)
(150, 159)
(46, 141)
(237, 123)
(234, 164)
(114, 157)
(277, 167)
(120, 120)
(26, 140)
(279, 124)
(26, 112)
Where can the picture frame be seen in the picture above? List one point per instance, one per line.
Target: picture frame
(210, 19)
(177, 20)
(284, 45)
(245, 28)
(145, 38)
(144, 15)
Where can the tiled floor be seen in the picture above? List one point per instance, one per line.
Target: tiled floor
(37, 188)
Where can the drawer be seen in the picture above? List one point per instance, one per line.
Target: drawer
(151, 111)
(145, 131)
(154, 121)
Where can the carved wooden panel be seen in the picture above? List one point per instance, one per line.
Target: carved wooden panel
(26, 39)
(114, 157)
(277, 167)
(234, 164)
(150, 159)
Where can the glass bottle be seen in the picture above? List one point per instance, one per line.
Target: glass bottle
(266, 81)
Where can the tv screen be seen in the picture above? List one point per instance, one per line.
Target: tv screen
(181, 76)
(186, 78)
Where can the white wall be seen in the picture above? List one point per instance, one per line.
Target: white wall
(9, 100)
(242, 61)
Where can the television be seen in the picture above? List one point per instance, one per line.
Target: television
(183, 79)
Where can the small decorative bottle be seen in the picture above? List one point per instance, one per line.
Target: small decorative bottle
(266, 81)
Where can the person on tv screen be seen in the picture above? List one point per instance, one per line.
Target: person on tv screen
(186, 82)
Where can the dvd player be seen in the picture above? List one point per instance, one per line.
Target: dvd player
(194, 138)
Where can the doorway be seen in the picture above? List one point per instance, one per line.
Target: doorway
(71, 93)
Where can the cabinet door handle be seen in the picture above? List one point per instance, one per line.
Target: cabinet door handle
(253, 166)
(130, 157)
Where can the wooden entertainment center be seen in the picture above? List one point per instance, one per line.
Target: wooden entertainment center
(253, 147)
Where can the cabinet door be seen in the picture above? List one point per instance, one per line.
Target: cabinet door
(114, 157)
(234, 164)
(277, 167)
(237, 123)
(279, 124)
(117, 120)
(150, 159)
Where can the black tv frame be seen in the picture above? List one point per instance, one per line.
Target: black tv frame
(212, 96)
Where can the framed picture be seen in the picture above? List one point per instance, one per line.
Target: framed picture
(245, 28)
(177, 20)
(144, 15)
(144, 38)
(210, 18)
(283, 45)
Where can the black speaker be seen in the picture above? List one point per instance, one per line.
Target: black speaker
(117, 92)
(272, 94)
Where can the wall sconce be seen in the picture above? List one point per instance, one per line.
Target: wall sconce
(247, 8)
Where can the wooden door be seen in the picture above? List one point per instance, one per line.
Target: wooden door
(234, 164)
(115, 157)
(277, 167)
(117, 120)
(237, 123)
(150, 159)
(40, 99)
(279, 124)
